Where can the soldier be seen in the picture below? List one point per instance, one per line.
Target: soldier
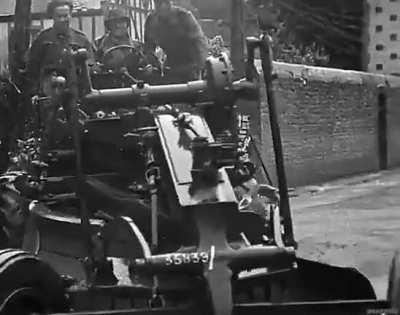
(48, 65)
(116, 23)
(176, 31)
(45, 58)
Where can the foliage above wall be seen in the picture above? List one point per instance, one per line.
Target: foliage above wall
(331, 31)
(316, 32)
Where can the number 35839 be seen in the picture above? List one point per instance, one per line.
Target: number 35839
(187, 258)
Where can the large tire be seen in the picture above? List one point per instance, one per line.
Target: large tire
(28, 285)
(393, 293)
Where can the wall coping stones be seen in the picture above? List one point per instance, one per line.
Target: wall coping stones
(329, 75)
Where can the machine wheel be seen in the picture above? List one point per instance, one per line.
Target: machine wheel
(124, 242)
(28, 285)
(393, 293)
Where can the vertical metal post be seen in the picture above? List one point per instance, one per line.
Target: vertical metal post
(69, 103)
(93, 28)
(237, 37)
(80, 21)
(141, 19)
(267, 66)
(138, 33)
(17, 48)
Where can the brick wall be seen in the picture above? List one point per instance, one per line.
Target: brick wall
(328, 121)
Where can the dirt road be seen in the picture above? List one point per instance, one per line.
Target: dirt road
(351, 222)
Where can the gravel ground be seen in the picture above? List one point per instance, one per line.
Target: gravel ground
(352, 222)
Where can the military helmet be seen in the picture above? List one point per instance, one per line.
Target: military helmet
(115, 15)
(56, 3)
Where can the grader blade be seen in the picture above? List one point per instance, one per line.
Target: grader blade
(312, 281)
(320, 281)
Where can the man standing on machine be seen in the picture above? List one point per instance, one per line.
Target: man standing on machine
(115, 50)
(116, 23)
(49, 66)
(45, 58)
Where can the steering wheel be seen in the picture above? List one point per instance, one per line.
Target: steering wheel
(118, 47)
(128, 51)
(116, 57)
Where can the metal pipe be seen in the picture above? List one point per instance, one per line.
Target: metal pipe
(249, 257)
(69, 103)
(266, 60)
(156, 94)
(144, 94)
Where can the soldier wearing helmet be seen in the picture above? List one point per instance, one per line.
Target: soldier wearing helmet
(45, 55)
(129, 54)
(177, 32)
(116, 23)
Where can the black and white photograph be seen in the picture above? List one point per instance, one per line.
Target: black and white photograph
(199, 157)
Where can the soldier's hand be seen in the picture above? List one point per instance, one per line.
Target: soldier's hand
(35, 99)
(148, 69)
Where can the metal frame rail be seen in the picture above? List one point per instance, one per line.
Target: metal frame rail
(298, 308)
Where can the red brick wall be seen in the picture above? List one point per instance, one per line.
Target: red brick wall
(328, 121)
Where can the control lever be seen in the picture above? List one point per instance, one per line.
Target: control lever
(125, 72)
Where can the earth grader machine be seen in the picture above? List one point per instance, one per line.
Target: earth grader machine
(162, 230)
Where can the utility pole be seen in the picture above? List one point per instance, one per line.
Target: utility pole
(20, 39)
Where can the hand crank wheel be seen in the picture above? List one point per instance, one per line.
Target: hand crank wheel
(28, 285)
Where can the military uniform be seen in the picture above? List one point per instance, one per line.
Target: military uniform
(133, 60)
(47, 60)
(110, 40)
(181, 38)
(46, 54)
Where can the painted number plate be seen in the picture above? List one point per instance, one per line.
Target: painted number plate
(187, 258)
